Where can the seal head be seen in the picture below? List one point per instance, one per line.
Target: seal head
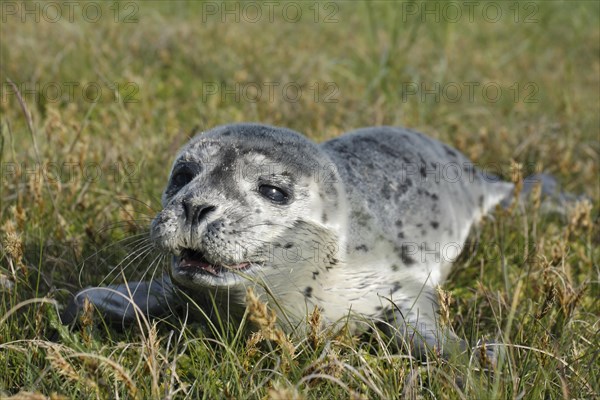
(251, 204)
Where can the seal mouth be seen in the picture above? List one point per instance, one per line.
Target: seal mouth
(194, 262)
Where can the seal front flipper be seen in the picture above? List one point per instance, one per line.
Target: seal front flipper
(121, 304)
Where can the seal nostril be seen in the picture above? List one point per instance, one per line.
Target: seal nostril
(196, 213)
(187, 209)
(202, 211)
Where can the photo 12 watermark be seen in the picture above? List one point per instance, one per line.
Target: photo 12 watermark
(411, 173)
(417, 173)
(517, 12)
(470, 92)
(412, 252)
(65, 172)
(72, 91)
(255, 92)
(269, 11)
(69, 11)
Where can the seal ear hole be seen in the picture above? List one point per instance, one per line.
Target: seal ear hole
(275, 194)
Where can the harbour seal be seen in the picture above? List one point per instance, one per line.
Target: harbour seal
(363, 227)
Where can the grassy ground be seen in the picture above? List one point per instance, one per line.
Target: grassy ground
(81, 179)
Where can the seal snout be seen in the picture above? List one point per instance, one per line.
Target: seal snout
(196, 213)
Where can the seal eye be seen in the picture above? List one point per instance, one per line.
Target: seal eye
(275, 194)
(182, 175)
(181, 179)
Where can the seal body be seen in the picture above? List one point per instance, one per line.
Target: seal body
(362, 226)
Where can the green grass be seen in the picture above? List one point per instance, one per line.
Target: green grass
(532, 281)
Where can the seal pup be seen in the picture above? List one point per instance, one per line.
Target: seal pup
(363, 226)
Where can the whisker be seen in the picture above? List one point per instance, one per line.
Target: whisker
(153, 266)
(123, 223)
(244, 229)
(139, 254)
(240, 219)
(135, 240)
(135, 199)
